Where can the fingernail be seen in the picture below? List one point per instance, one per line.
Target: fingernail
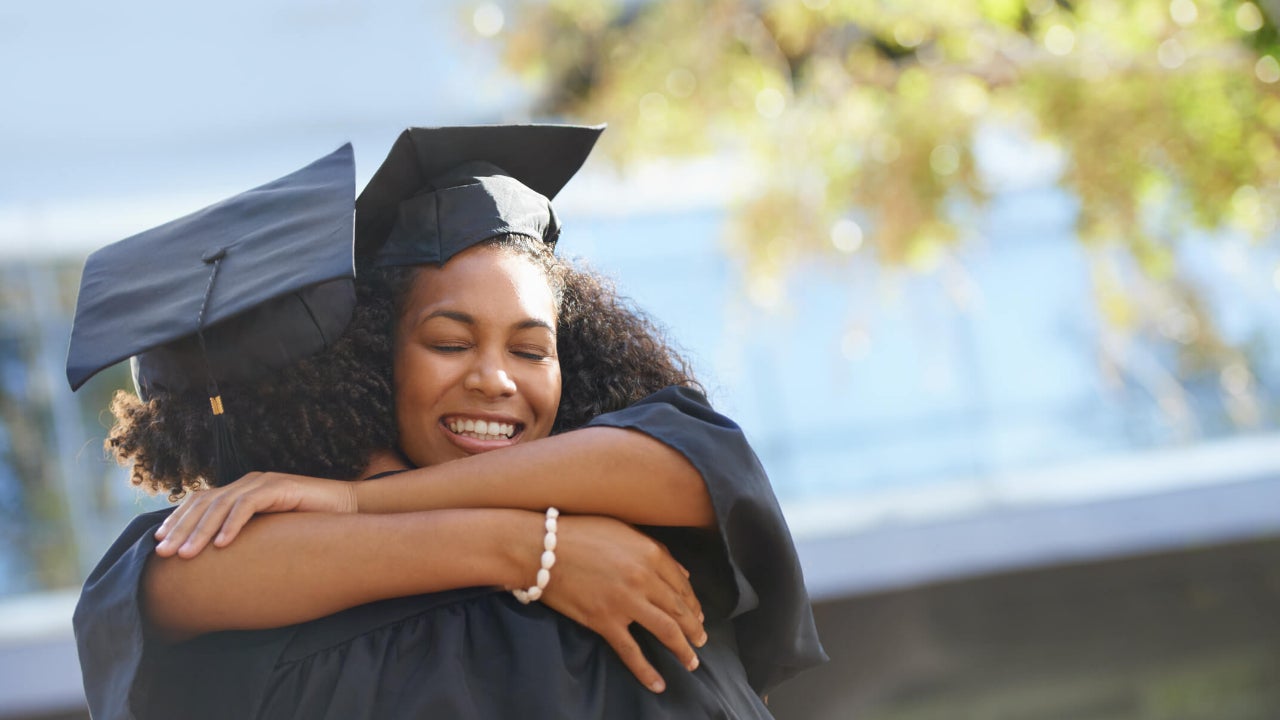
(701, 617)
(693, 664)
(222, 537)
(703, 639)
(657, 686)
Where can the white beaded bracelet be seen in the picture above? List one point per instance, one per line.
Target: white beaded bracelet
(548, 559)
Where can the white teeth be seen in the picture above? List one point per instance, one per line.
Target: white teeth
(482, 429)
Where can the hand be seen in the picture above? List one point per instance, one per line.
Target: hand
(225, 510)
(608, 575)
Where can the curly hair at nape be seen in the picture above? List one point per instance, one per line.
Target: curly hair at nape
(611, 353)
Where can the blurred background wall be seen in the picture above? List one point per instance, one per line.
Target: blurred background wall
(992, 285)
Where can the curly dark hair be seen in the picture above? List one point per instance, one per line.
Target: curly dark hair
(325, 415)
(611, 353)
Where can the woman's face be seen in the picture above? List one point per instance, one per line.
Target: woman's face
(475, 359)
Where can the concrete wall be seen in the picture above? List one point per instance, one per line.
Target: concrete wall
(1182, 635)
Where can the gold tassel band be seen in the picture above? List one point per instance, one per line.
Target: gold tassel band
(216, 403)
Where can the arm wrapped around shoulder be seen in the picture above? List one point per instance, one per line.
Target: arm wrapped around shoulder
(772, 617)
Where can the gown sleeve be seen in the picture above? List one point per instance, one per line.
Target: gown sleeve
(128, 676)
(772, 617)
(108, 620)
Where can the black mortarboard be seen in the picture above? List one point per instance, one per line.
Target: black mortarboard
(442, 190)
(228, 293)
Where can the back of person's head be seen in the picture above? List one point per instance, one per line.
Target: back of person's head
(323, 415)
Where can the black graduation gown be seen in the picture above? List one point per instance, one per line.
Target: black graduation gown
(476, 652)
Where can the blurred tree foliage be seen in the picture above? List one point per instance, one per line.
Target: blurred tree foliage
(862, 119)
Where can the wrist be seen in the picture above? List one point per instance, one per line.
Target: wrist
(352, 497)
(522, 540)
(546, 560)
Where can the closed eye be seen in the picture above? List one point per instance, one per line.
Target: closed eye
(531, 354)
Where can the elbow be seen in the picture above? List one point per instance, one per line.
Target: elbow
(705, 511)
(691, 488)
(685, 488)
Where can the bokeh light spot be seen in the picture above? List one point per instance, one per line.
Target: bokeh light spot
(908, 33)
(1170, 54)
(488, 20)
(846, 235)
(770, 103)
(1060, 40)
(1179, 325)
(1267, 69)
(945, 160)
(1249, 17)
(1183, 12)
(1236, 378)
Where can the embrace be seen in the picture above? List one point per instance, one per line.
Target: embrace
(457, 477)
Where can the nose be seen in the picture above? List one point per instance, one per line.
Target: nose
(489, 377)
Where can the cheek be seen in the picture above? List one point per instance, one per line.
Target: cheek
(417, 378)
(548, 395)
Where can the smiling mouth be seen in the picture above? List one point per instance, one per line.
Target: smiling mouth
(482, 429)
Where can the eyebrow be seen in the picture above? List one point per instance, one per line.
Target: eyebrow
(468, 319)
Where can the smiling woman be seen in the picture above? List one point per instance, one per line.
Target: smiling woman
(475, 355)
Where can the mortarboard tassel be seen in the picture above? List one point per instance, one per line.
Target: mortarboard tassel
(228, 461)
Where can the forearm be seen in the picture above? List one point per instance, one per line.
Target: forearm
(314, 564)
(618, 473)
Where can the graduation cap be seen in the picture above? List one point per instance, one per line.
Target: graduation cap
(442, 190)
(228, 293)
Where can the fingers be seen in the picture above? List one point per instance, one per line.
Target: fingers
(678, 599)
(188, 529)
(188, 536)
(686, 618)
(633, 657)
(677, 578)
(180, 524)
(167, 526)
(215, 512)
(670, 633)
(241, 513)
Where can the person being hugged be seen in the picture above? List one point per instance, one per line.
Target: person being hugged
(525, 430)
